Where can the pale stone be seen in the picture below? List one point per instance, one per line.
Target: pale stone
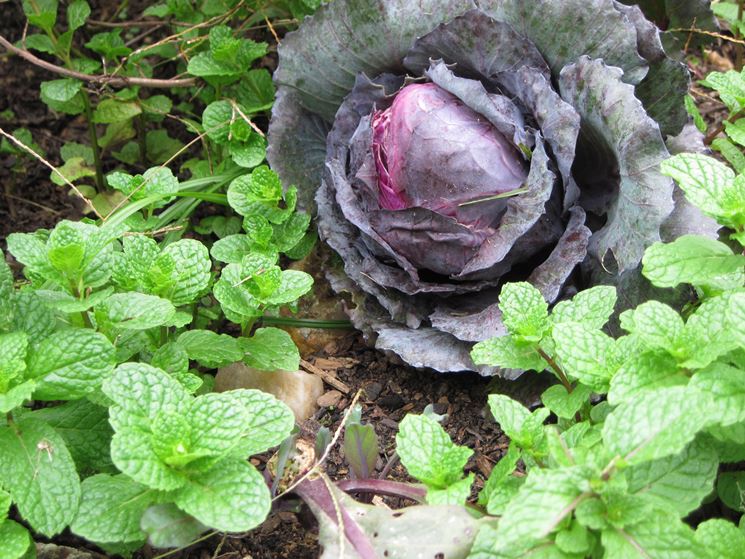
(298, 389)
(330, 400)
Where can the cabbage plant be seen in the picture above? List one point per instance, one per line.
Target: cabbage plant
(448, 146)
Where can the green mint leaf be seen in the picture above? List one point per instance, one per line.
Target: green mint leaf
(41, 43)
(584, 354)
(703, 179)
(66, 303)
(721, 539)
(693, 259)
(428, 454)
(111, 508)
(130, 267)
(736, 130)
(109, 44)
(232, 497)
(133, 451)
(5, 502)
(255, 91)
(522, 427)
(660, 535)
(31, 315)
(656, 424)
(645, 371)
(454, 494)
(168, 526)
(735, 316)
(731, 153)
(142, 391)
(209, 348)
(249, 52)
(112, 110)
(236, 301)
(223, 45)
(191, 274)
(16, 540)
(541, 504)
(501, 486)
(729, 489)
(85, 428)
(524, 311)
(726, 387)
(268, 421)
(42, 13)
(6, 293)
(77, 14)
(695, 114)
(31, 251)
(215, 72)
(137, 311)
(707, 332)
(293, 284)
(270, 349)
(577, 539)
(220, 225)
(63, 96)
(156, 106)
(258, 194)
(249, 152)
(39, 473)
(289, 233)
(16, 396)
(66, 248)
(171, 358)
(161, 147)
(591, 307)
(13, 349)
(70, 364)
(565, 404)
(504, 352)
(216, 120)
(217, 422)
(679, 482)
(730, 85)
(231, 249)
(657, 326)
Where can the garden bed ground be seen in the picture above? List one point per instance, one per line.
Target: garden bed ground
(388, 390)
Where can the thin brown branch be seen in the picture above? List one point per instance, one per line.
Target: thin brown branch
(113, 81)
(707, 33)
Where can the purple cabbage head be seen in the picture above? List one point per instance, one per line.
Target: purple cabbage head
(449, 146)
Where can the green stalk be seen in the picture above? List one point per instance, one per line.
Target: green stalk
(100, 182)
(305, 322)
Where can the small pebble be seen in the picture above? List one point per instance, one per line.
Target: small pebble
(330, 399)
(373, 390)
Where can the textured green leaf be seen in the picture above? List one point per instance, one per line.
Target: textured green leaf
(735, 317)
(70, 364)
(216, 120)
(565, 404)
(657, 325)
(524, 311)
(659, 536)
(232, 497)
(248, 153)
(730, 85)
(692, 259)
(736, 131)
(38, 471)
(113, 110)
(78, 12)
(731, 153)
(171, 358)
(6, 292)
(231, 249)
(543, 501)
(695, 114)
(109, 44)
(269, 421)
(270, 349)
(656, 424)
(191, 273)
(428, 454)
(16, 540)
(726, 387)
(209, 348)
(137, 311)
(501, 486)
(156, 105)
(42, 13)
(13, 348)
(708, 184)
(583, 353)
(680, 481)
(503, 352)
(645, 371)
(217, 423)
(167, 526)
(63, 95)
(31, 315)
(255, 91)
(31, 251)
(161, 147)
(16, 396)
(293, 284)
(516, 421)
(591, 307)
(454, 494)
(86, 430)
(731, 490)
(111, 508)
(133, 454)
(214, 71)
(721, 539)
(707, 333)
(142, 391)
